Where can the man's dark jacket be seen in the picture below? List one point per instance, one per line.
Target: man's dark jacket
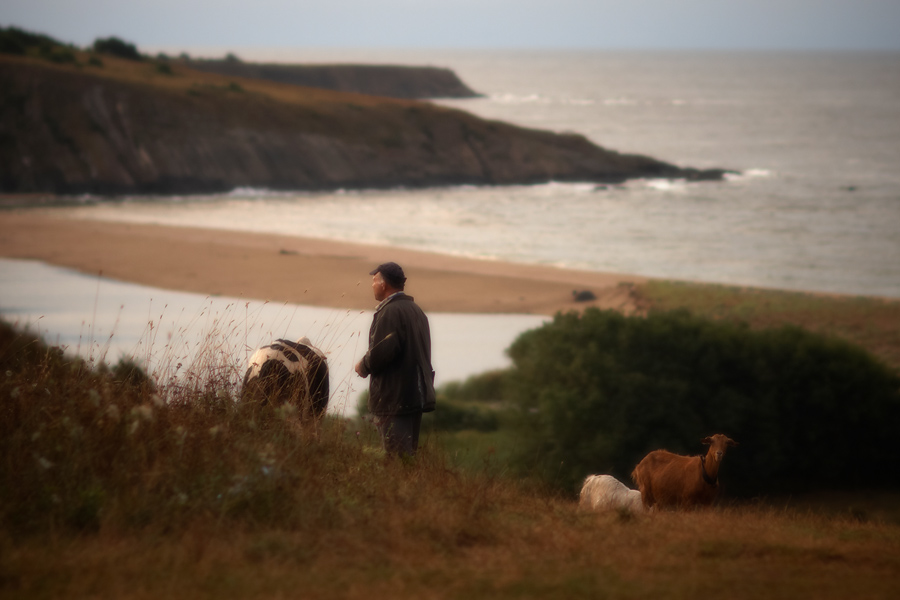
(399, 359)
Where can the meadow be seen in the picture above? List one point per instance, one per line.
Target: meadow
(114, 485)
(870, 323)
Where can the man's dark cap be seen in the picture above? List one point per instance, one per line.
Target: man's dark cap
(392, 273)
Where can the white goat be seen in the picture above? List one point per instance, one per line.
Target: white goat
(605, 492)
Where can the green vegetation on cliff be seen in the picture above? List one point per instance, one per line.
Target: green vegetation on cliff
(19, 42)
(117, 47)
(392, 81)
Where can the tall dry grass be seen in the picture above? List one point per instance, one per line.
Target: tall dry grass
(159, 439)
(115, 486)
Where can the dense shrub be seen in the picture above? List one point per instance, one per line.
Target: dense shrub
(472, 404)
(116, 47)
(10, 43)
(58, 54)
(456, 411)
(460, 416)
(485, 387)
(18, 41)
(596, 392)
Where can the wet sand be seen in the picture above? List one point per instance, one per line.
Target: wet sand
(296, 270)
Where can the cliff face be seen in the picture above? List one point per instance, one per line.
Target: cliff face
(81, 130)
(377, 80)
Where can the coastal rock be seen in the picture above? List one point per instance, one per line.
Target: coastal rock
(117, 130)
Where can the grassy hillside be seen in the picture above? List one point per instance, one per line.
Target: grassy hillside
(379, 80)
(871, 323)
(105, 490)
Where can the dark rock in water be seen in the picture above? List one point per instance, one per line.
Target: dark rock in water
(378, 80)
(605, 187)
(76, 131)
(583, 295)
(707, 174)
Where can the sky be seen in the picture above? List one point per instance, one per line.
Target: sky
(478, 24)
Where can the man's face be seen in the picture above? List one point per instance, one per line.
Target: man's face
(379, 288)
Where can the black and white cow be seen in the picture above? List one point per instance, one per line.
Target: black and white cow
(295, 372)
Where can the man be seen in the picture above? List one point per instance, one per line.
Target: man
(399, 361)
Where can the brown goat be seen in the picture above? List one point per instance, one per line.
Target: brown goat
(669, 480)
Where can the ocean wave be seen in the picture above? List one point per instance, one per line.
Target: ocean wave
(253, 192)
(518, 99)
(749, 174)
(568, 186)
(620, 102)
(664, 185)
(541, 99)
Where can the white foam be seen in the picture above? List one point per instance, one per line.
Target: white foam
(519, 99)
(620, 102)
(252, 192)
(749, 174)
(665, 185)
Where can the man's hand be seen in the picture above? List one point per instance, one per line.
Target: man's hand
(360, 369)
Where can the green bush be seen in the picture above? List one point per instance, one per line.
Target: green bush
(463, 405)
(596, 392)
(58, 54)
(18, 41)
(485, 387)
(460, 416)
(10, 43)
(460, 406)
(116, 47)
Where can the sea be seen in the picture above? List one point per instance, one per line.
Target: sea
(813, 139)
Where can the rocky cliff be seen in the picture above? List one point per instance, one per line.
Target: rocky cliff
(126, 128)
(378, 80)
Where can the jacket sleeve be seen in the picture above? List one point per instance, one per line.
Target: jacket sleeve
(385, 346)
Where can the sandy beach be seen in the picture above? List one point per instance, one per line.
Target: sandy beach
(296, 270)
